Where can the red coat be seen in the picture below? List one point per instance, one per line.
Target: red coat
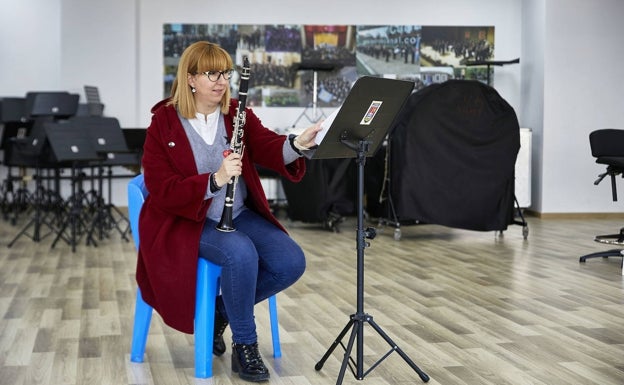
(174, 212)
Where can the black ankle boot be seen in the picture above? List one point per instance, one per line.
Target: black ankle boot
(246, 361)
(218, 344)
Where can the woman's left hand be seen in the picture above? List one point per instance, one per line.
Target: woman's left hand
(307, 137)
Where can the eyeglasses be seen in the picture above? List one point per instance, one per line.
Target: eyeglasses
(214, 76)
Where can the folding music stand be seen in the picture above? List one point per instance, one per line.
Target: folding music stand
(71, 144)
(107, 138)
(59, 104)
(358, 131)
(42, 108)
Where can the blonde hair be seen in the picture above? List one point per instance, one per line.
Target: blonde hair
(198, 57)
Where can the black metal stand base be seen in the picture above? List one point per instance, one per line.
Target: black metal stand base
(74, 221)
(39, 219)
(74, 224)
(105, 220)
(36, 223)
(356, 323)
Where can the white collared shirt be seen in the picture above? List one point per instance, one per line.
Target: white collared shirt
(206, 125)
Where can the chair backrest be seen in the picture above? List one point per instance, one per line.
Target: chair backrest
(607, 142)
(136, 196)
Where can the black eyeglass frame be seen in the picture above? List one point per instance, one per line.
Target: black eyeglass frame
(227, 75)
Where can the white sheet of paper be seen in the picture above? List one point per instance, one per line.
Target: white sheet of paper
(325, 126)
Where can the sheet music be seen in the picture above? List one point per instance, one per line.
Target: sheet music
(325, 126)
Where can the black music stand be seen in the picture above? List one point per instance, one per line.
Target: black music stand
(108, 141)
(490, 63)
(358, 130)
(42, 108)
(70, 144)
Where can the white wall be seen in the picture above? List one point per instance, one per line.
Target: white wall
(30, 42)
(566, 85)
(583, 56)
(98, 47)
(532, 89)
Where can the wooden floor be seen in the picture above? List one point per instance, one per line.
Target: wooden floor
(467, 307)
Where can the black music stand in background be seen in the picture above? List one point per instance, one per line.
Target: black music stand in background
(358, 131)
(490, 63)
(108, 141)
(32, 151)
(71, 145)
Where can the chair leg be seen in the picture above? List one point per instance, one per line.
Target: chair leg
(142, 319)
(207, 283)
(277, 350)
(603, 254)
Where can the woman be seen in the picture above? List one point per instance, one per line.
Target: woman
(185, 169)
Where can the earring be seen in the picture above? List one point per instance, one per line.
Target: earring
(193, 90)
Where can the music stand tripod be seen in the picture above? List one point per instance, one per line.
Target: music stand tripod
(373, 102)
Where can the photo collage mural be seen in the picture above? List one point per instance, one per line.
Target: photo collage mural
(286, 59)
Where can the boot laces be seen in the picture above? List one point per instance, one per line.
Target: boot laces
(252, 355)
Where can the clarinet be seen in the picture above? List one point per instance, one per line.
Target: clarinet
(236, 146)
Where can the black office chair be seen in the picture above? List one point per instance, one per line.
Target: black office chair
(607, 146)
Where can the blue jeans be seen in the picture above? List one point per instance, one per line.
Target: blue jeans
(257, 261)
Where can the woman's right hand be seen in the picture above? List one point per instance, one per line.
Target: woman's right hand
(231, 166)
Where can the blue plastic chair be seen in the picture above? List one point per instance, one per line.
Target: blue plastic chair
(208, 275)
